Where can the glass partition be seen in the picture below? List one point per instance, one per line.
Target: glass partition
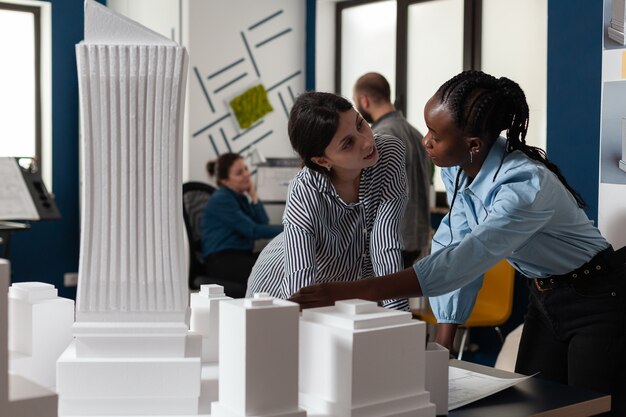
(434, 54)
(368, 43)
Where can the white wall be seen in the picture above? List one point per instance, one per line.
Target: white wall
(216, 41)
(213, 32)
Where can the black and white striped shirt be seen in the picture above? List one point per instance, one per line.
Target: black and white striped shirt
(327, 240)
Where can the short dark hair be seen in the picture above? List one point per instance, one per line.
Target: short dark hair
(313, 121)
(375, 86)
(221, 167)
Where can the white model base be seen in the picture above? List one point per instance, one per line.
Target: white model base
(622, 165)
(128, 385)
(361, 360)
(412, 406)
(209, 387)
(219, 410)
(27, 398)
(40, 328)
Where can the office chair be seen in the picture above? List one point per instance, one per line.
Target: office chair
(493, 307)
(195, 197)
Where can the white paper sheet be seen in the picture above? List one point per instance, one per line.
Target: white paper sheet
(15, 200)
(467, 386)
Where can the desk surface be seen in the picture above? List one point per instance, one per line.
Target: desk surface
(534, 397)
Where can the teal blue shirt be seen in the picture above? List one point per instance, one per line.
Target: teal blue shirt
(525, 215)
(230, 221)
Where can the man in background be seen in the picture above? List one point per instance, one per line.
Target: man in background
(372, 97)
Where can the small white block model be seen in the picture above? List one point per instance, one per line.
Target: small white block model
(437, 358)
(40, 329)
(205, 317)
(622, 162)
(358, 359)
(19, 396)
(258, 351)
(205, 322)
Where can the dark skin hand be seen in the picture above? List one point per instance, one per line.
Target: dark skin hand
(403, 284)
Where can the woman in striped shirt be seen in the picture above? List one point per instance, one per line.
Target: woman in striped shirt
(343, 208)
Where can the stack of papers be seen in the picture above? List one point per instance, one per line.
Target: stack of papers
(618, 18)
(467, 386)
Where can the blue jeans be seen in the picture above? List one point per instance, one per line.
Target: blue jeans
(576, 335)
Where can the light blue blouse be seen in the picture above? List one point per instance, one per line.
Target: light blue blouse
(525, 215)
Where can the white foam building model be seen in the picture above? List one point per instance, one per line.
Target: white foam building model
(358, 359)
(205, 322)
(618, 19)
(622, 162)
(258, 358)
(132, 353)
(40, 329)
(19, 396)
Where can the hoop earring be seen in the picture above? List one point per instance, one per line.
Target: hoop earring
(328, 168)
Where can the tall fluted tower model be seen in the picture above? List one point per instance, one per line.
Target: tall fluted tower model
(132, 87)
(131, 340)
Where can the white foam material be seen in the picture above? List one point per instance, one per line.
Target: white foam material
(132, 353)
(258, 358)
(436, 377)
(358, 359)
(40, 328)
(205, 318)
(18, 395)
(32, 291)
(102, 25)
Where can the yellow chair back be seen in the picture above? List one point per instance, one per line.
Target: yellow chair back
(493, 303)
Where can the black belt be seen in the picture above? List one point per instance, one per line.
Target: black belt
(604, 261)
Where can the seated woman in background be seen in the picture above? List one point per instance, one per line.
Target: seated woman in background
(343, 208)
(233, 219)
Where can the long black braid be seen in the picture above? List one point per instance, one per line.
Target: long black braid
(483, 106)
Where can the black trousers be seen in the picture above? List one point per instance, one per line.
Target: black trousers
(576, 335)
(231, 266)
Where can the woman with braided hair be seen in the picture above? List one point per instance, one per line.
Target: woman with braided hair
(507, 200)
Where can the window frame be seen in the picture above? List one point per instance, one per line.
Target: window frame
(472, 29)
(36, 12)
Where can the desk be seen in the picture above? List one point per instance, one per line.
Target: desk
(533, 397)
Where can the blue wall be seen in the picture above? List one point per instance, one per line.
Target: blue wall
(50, 248)
(574, 90)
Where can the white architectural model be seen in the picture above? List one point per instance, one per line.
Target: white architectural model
(618, 19)
(40, 329)
(622, 162)
(258, 352)
(132, 352)
(205, 315)
(358, 359)
(19, 396)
